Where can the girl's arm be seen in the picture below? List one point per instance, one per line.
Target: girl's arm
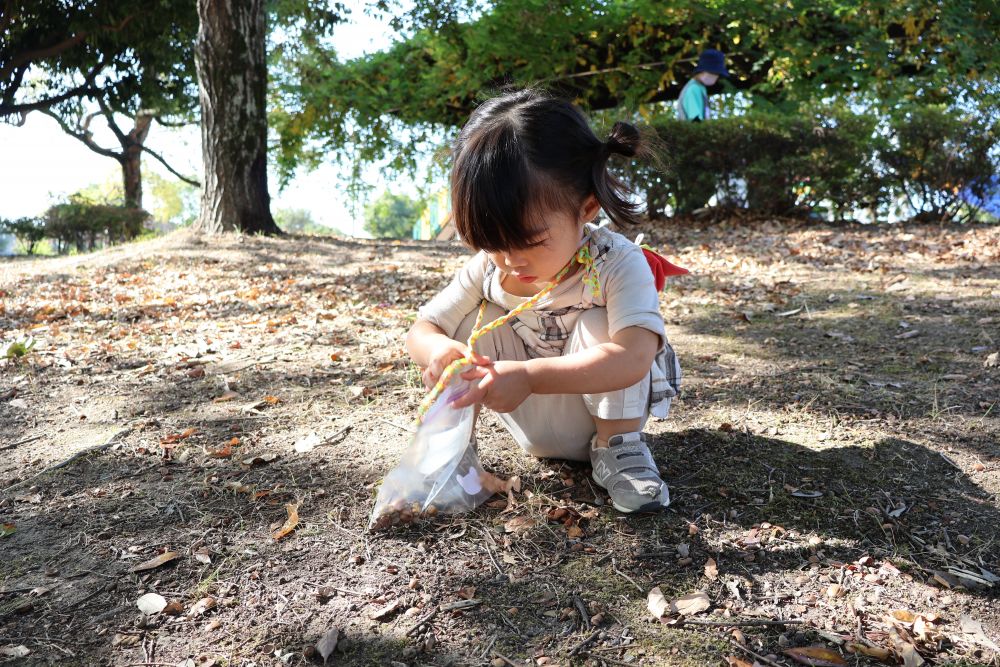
(618, 364)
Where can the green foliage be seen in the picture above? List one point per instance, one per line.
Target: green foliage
(28, 231)
(175, 203)
(392, 216)
(82, 224)
(831, 162)
(19, 349)
(299, 221)
(128, 52)
(935, 154)
(627, 54)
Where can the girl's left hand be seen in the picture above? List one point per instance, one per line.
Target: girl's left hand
(501, 386)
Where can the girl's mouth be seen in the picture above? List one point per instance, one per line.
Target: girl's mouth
(526, 279)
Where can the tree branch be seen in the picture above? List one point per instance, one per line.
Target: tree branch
(173, 171)
(85, 137)
(109, 116)
(85, 89)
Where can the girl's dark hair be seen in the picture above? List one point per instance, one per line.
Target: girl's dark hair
(526, 153)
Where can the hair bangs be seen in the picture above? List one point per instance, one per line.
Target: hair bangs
(492, 192)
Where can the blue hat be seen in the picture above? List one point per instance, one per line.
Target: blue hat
(712, 60)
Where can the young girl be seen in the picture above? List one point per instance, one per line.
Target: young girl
(577, 375)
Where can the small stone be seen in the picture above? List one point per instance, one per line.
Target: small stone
(835, 591)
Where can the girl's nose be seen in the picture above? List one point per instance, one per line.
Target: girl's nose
(514, 260)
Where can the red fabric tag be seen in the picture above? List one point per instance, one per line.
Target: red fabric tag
(661, 268)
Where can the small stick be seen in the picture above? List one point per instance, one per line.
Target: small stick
(409, 429)
(426, 619)
(510, 662)
(461, 604)
(614, 566)
(21, 442)
(578, 601)
(579, 647)
(737, 623)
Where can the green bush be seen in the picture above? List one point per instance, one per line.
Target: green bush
(28, 231)
(83, 225)
(831, 162)
(934, 155)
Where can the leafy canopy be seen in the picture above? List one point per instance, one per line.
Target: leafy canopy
(619, 54)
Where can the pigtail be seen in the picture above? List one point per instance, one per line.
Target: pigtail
(611, 192)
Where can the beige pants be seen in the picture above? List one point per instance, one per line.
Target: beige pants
(559, 425)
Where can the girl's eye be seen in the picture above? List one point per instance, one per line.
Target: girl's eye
(538, 241)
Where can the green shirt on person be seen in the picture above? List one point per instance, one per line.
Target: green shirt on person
(692, 104)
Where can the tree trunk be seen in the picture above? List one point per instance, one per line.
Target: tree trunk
(232, 84)
(132, 160)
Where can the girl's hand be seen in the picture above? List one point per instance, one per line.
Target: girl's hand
(501, 386)
(443, 354)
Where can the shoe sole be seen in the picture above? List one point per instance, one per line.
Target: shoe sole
(654, 506)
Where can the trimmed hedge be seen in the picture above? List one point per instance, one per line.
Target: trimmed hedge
(833, 164)
(78, 224)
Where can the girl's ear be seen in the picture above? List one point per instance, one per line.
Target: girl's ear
(589, 209)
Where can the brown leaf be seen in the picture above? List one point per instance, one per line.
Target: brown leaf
(574, 532)
(877, 652)
(691, 604)
(817, 656)
(519, 524)
(290, 523)
(201, 606)
(466, 592)
(272, 400)
(260, 459)
(734, 661)
(153, 563)
(711, 569)
(904, 615)
(328, 643)
(226, 396)
(202, 556)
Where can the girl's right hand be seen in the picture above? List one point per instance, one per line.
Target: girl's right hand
(443, 354)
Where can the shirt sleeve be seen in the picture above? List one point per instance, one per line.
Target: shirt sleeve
(462, 295)
(630, 293)
(693, 103)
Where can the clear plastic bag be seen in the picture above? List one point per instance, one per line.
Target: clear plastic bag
(439, 472)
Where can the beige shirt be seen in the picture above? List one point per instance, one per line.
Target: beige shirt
(626, 291)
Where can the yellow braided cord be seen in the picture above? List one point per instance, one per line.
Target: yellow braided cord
(582, 256)
(591, 278)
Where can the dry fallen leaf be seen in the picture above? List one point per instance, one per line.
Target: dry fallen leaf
(656, 603)
(574, 532)
(691, 604)
(290, 523)
(201, 606)
(711, 569)
(202, 556)
(173, 608)
(152, 563)
(877, 652)
(817, 656)
(734, 661)
(19, 651)
(466, 592)
(260, 459)
(151, 603)
(328, 643)
(519, 524)
(970, 626)
(226, 396)
(385, 612)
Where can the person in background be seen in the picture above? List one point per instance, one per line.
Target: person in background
(694, 187)
(692, 104)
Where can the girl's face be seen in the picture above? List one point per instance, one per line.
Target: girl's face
(528, 270)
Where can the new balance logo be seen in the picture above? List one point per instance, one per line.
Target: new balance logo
(602, 470)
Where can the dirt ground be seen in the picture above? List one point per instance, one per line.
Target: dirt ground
(834, 463)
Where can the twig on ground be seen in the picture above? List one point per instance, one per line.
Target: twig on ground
(20, 442)
(613, 661)
(579, 647)
(79, 455)
(582, 608)
(735, 623)
(408, 429)
(505, 659)
(426, 619)
(614, 566)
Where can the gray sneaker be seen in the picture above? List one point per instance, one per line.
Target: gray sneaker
(627, 470)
